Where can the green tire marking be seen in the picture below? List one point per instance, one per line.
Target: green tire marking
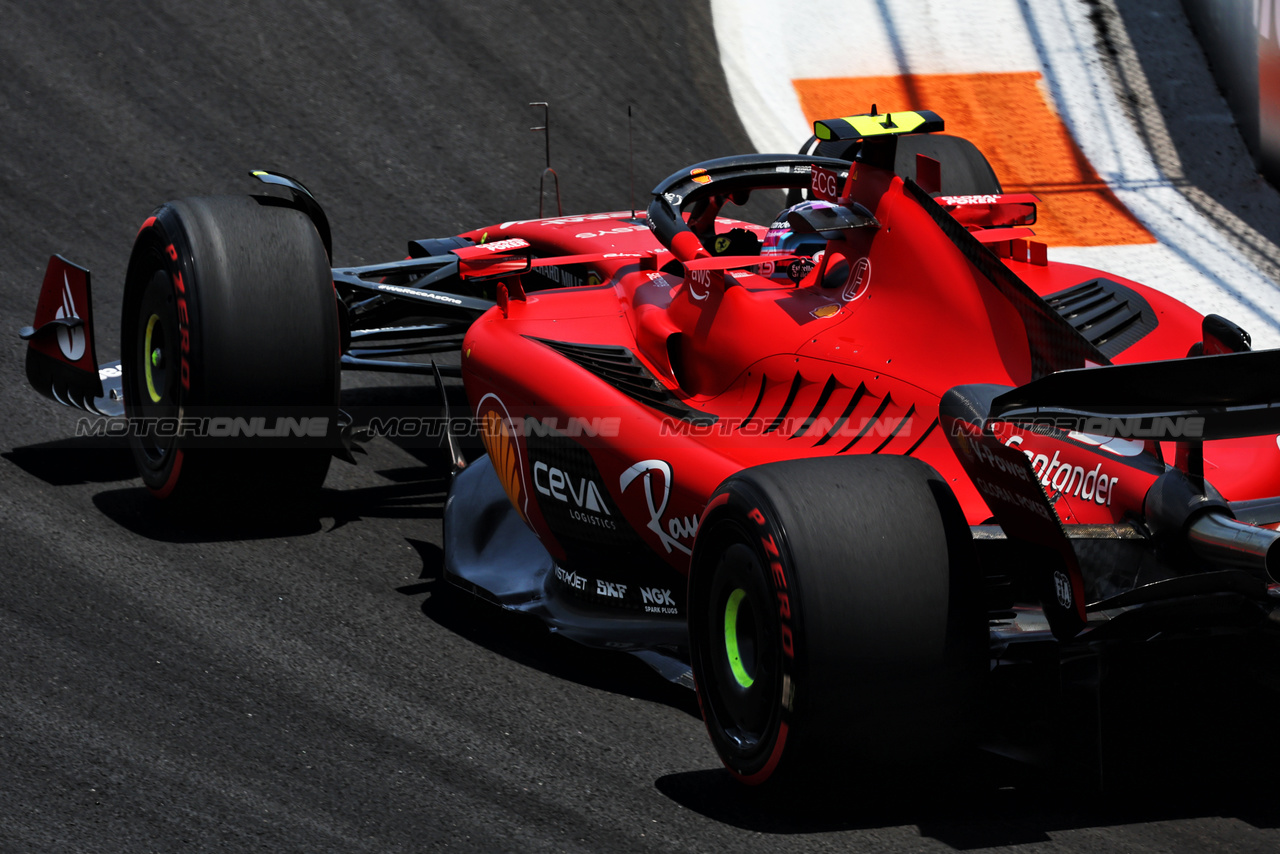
(149, 358)
(745, 679)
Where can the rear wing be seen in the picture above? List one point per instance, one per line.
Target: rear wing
(1227, 396)
(1186, 401)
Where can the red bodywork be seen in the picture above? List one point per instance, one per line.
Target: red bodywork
(855, 367)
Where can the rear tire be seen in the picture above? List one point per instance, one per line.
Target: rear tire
(835, 621)
(229, 312)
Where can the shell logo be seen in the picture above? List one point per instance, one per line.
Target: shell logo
(504, 450)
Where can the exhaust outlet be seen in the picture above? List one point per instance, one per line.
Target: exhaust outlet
(1218, 538)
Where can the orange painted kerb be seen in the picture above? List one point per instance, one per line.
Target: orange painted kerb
(1008, 117)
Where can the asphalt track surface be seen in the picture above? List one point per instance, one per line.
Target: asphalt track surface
(174, 686)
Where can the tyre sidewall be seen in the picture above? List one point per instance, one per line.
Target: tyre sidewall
(737, 510)
(161, 246)
(244, 342)
(875, 592)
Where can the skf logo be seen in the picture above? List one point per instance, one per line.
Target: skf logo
(608, 588)
(504, 452)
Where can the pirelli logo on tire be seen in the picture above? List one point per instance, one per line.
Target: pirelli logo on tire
(184, 318)
(786, 635)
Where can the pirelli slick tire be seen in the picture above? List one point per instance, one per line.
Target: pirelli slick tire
(965, 170)
(835, 620)
(230, 345)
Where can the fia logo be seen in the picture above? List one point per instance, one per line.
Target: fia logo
(1062, 586)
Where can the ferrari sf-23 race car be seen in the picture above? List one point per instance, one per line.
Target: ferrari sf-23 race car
(839, 472)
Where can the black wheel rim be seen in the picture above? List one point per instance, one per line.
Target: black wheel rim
(743, 652)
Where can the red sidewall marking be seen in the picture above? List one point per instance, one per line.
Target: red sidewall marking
(767, 771)
(163, 492)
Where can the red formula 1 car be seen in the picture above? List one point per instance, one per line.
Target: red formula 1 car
(837, 472)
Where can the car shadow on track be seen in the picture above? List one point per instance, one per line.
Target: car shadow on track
(526, 640)
(413, 418)
(137, 511)
(414, 493)
(998, 806)
(69, 462)
(1184, 736)
(410, 492)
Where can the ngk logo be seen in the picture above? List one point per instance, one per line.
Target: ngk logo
(656, 596)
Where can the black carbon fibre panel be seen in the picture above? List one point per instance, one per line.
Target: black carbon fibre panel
(620, 368)
(1112, 316)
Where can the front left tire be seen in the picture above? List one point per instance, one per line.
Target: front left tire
(229, 316)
